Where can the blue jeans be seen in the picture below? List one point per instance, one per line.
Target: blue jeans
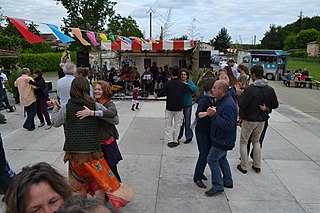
(4, 98)
(218, 163)
(186, 123)
(204, 145)
(31, 112)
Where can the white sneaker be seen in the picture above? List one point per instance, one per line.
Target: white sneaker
(48, 127)
(41, 125)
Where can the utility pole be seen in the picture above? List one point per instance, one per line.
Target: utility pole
(161, 33)
(150, 11)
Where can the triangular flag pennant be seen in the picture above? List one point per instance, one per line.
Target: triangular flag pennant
(92, 38)
(154, 41)
(20, 24)
(127, 40)
(122, 40)
(63, 38)
(111, 38)
(77, 33)
(142, 40)
(136, 39)
(103, 37)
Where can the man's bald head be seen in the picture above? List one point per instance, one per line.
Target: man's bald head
(223, 85)
(220, 88)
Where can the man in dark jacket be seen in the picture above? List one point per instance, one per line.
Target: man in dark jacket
(254, 105)
(223, 133)
(4, 175)
(174, 90)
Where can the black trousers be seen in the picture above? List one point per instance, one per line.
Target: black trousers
(4, 175)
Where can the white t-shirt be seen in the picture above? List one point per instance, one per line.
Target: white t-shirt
(3, 78)
(234, 69)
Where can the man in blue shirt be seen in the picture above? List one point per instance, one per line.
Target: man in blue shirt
(223, 132)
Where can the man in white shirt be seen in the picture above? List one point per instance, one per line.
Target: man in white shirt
(3, 79)
(64, 84)
(234, 67)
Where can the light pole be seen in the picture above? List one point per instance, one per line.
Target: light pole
(150, 11)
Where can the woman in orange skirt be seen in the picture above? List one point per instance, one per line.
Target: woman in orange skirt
(88, 171)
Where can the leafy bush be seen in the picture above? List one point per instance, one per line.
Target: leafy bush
(300, 53)
(10, 84)
(6, 62)
(44, 61)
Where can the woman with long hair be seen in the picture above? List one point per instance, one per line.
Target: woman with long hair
(42, 98)
(89, 173)
(107, 129)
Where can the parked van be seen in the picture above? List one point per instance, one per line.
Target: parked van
(274, 62)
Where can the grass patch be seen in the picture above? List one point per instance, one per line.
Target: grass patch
(50, 73)
(312, 66)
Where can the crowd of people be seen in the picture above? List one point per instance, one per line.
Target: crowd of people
(89, 118)
(299, 77)
(227, 100)
(89, 121)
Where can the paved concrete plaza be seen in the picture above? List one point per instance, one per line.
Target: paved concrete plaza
(162, 176)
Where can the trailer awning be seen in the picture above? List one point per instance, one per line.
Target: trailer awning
(174, 45)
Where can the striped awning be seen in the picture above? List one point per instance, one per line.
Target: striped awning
(159, 45)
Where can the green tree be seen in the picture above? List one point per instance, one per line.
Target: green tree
(89, 15)
(222, 41)
(305, 36)
(11, 39)
(184, 37)
(273, 39)
(290, 42)
(124, 26)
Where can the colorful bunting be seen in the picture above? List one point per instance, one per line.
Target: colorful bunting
(136, 39)
(122, 40)
(23, 29)
(111, 38)
(92, 38)
(63, 38)
(128, 40)
(103, 37)
(77, 33)
(124, 43)
(142, 40)
(154, 41)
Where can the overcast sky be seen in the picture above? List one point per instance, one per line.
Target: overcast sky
(243, 19)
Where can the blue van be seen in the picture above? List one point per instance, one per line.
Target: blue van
(274, 62)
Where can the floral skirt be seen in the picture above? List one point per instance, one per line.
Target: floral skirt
(91, 176)
(88, 177)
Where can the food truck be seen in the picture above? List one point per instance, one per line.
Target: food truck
(274, 62)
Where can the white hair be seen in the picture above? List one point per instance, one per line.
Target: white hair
(69, 68)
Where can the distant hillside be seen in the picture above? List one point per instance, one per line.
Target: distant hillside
(292, 36)
(303, 24)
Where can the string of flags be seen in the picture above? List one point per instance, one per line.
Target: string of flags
(32, 38)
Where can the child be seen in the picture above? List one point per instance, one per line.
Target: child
(135, 101)
(288, 78)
